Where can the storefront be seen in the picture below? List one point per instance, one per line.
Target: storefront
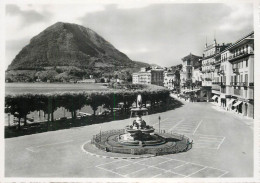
(230, 104)
(238, 106)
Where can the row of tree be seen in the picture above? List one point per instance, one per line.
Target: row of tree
(22, 104)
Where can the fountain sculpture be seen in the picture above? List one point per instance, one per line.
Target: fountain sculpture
(140, 138)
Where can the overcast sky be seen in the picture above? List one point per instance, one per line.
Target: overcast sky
(154, 33)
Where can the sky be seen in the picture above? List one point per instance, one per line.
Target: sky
(159, 34)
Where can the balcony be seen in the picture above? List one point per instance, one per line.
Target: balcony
(240, 55)
(234, 84)
(235, 70)
(217, 62)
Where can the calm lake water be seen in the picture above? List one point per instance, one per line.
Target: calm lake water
(19, 88)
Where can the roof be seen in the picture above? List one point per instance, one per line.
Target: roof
(191, 57)
(237, 42)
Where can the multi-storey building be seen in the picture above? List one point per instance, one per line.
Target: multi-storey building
(157, 76)
(141, 78)
(233, 86)
(210, 68)
(172, 79)
(186, 74)
(149, 76)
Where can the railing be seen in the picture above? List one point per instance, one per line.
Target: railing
(235, 70)
(183, 144)
(233, 83)
(239, 54)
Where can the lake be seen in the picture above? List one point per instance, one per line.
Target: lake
(19, 88)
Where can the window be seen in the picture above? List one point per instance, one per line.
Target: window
(246, 63)
(246, 77)
(241, 78)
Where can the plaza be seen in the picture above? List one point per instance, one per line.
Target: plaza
(222, 147)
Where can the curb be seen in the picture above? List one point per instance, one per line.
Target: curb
(110, 157)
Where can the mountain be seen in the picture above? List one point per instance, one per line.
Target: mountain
(70, 49)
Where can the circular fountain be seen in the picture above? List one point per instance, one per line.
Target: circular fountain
(139, 138)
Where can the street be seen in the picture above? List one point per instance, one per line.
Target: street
(222, 147)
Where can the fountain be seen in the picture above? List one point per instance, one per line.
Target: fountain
(139, 138)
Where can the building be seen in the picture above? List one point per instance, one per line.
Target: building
(141, 78)
(157, 76)
(233, 86)
(149, 76)
(190, 62)
(210, 67)
(172, 80)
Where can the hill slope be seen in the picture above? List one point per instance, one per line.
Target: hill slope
(66, 46)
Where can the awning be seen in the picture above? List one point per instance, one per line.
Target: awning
(214, 97)
(230, 102)
(237, 103)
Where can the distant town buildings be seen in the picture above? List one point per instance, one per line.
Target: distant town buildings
(187, 73)
(149, 76)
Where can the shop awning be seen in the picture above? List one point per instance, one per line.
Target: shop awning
(237, 103)
(230, 102)
(214, 97)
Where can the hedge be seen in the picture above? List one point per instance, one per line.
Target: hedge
(20, 105)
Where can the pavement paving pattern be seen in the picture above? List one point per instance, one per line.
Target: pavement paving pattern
(223, 147)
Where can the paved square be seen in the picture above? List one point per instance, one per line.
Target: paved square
(146, 173)
(209, 172)
(187, 169)
(219, 149)
(168, 175)
(129, 169)
(114, 165)
(170, 164)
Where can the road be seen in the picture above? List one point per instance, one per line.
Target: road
(223, 147)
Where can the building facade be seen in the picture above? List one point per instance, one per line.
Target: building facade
(210, 68)
(172, 80)
(141, 78)
(190, 62)
(233, 86)
(149, 76)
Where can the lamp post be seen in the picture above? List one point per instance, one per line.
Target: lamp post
(159, 123)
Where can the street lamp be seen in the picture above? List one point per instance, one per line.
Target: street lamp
(159, 123)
